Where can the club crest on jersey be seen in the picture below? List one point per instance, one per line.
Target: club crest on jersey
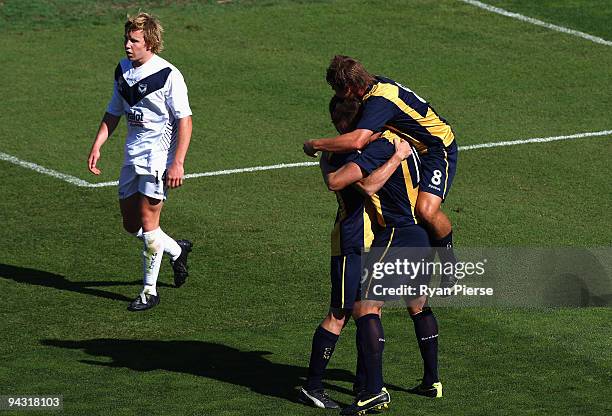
(142, 88)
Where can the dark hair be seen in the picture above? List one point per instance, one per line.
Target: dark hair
(344, 72)
(344, 113)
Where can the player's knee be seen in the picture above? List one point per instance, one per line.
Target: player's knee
(413, 310)
(416, 305)
(338, 314)
(366, 308)
(336, 325)
(150, 218)
(427, 210)
(336, 319)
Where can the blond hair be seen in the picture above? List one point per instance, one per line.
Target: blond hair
(151, 29)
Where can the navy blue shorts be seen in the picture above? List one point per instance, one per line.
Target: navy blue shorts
(438, 167)
(394, 266)
(345, 279)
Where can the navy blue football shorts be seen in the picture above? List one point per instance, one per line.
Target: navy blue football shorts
(395, 267)
(438, 167)
(345, 278)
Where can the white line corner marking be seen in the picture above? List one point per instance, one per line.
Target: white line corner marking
(80, 182)
(537, 22)
(45, 171)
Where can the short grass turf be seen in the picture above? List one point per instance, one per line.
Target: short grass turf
(235, 339)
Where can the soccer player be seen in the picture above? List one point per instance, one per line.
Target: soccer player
(152, 94)
(389, 105)
(398, 231)
(351, 233)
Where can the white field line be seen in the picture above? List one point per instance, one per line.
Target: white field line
(253, 169)
(537, 22)
(221, 172)
(80, 182)
(45, 171)
(537, 140)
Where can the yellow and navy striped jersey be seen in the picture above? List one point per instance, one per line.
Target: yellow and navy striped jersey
(395, 202)
(353, 227)
(390, 105)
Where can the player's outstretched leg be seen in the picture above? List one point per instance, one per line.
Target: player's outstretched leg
(426, 331)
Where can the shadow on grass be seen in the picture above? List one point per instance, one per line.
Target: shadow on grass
(250, 369)
(56, 281)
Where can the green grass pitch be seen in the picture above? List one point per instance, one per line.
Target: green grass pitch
(235, 339)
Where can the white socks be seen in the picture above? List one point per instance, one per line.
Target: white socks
(171, 247)
(152, 257)
(156, 242)
(147, 290)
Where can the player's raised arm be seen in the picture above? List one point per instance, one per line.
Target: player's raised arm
(176, 171)
(373, 182)
(107, 126)
(347, 142)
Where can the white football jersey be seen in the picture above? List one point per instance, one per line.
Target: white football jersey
(153, 97)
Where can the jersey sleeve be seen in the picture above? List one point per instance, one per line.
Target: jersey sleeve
(377, 111)
(374, 155)
(176, 95)
(337, 160)
(115, 105)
